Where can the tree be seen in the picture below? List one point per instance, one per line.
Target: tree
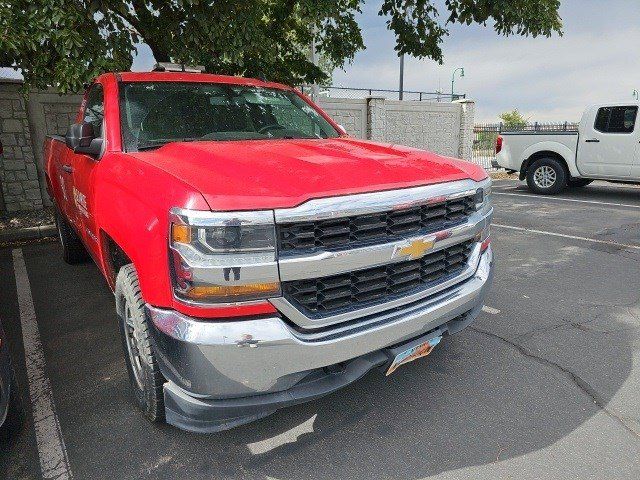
(64, 43)
(513, 119)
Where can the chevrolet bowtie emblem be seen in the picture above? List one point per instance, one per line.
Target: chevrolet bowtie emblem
(415, 249)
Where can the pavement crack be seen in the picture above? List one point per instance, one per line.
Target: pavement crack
(583, 326)
(579, 382)
(542, 329)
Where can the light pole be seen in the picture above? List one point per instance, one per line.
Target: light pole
(453, 79)
(401, 76)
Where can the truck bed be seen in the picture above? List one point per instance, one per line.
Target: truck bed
(517, 146)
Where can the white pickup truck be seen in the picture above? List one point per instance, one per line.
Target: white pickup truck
(605, 147)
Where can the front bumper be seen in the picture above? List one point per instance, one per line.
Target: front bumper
(224, 373)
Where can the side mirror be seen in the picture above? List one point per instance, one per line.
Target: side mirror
(81, 139)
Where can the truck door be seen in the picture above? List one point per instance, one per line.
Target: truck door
(635, 168)
(63, 180)
(609, 144)
(83, 170)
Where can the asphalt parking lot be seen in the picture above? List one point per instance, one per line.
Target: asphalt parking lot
(544, 385)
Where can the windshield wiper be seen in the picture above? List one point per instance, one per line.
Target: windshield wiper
(151, 146)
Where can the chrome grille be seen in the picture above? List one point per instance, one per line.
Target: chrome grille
(382, 227)
(360, 288)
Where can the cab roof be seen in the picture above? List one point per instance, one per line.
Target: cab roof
(195, 78)
(633, 103)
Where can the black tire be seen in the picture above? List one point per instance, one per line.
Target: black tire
(15, 415)
(144, 375)
(73, 252)
(579, 182)
(547, 176)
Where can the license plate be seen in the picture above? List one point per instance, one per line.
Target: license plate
(417, 351)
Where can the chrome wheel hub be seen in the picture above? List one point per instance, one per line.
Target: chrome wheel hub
(544, 177)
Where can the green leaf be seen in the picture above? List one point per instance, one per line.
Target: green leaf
(66, 43)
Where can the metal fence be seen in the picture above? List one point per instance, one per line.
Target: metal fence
(485, 135)
(412, 95)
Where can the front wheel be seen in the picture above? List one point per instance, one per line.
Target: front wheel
(547, 176)
(144, 375)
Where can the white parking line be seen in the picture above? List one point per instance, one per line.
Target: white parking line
(562, 199)
(491, 310)
(562, 235)
(54, 462)
(505, 188)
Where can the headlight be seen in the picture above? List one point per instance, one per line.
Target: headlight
(223, 257)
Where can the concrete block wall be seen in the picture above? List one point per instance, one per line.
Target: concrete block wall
(49, 114)
(18, 171)
(427, 125)
(24, 125)
(377, 119)
(443, 128)
(467, 120)
(351, 113)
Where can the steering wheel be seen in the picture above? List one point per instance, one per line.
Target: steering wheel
(271, 126)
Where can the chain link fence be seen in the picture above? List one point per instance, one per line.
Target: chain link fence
(486, 134)
(409, 95)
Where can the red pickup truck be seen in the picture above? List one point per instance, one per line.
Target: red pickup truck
(259, 256)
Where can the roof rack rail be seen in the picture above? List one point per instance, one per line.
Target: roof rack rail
(177, 67)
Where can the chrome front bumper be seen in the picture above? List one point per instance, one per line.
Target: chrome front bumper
(247, 357)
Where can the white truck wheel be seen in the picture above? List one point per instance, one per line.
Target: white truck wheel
(546, 176)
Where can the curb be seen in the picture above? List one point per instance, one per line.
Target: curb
(29, 233)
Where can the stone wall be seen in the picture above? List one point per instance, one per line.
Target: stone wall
(467, 120)
(49, 114)
(18, 171)
(428, 125)
(348, 112)
(444, 128)
(24, 125)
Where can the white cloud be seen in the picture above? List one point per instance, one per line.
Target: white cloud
(547, 79)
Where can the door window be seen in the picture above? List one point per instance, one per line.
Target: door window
(94, 109)
(616, 119)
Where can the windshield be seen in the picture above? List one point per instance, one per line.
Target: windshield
(156, 113)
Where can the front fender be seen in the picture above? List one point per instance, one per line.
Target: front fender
(132, 200)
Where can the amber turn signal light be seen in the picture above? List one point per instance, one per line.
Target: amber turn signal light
(181, 233)
(221, 291)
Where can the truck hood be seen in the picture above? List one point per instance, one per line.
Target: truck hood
(266, 174)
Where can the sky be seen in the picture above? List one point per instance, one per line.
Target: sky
(547, 79)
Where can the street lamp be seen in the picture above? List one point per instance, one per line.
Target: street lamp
(453, 79)
(401, 86)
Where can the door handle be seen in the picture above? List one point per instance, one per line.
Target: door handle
(592, 140)
(67, 168)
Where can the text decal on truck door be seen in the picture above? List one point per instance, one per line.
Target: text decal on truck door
(80, 199)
